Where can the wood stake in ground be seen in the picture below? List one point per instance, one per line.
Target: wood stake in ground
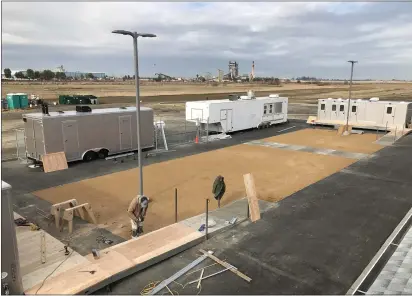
(252, 197)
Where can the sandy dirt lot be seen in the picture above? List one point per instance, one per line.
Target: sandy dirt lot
(278, 173)
(329, 139)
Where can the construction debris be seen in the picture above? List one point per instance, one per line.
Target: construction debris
(227, 265)
(178, 274)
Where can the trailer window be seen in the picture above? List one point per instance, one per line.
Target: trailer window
(265, 107)
(333, 107)
(322, 106)
(270, 108)
(389, 110)
(353, 108)
(341, 108)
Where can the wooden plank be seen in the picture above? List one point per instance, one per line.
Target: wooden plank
(54, 162)
(90, 212)
(122, 260)
(227, 265)
(252, 197)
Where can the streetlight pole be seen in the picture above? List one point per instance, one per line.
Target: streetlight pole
(350, 96)
(136, 35)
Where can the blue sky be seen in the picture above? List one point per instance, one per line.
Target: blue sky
(284, 39)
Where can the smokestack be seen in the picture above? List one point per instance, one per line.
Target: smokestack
(253, 69)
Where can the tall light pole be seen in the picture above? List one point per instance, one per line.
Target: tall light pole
(350, 95)
(136, 35)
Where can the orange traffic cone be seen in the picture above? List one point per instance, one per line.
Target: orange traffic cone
(197, 140)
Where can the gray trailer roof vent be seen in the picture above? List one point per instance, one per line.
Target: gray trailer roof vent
(233, 97)
(83, 109)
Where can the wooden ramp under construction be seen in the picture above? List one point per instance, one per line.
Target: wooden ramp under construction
(120, 261)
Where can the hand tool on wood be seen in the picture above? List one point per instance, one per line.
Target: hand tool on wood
(90, 271)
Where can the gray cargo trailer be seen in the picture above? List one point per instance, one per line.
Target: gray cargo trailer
(87, 135)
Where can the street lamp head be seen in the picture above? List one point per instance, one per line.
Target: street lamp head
(353, 62)
(148, 35)
(123, 32)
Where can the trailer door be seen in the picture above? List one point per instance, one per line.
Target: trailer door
(342, 112)
(353, 115)
(322, 110)
(389, 115)
(71, 139)
(38, 138)
(125, 130)
(229, 123)
(29, 138)
(226, 119)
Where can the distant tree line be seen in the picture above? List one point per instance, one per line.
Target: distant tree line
(128, 77)
(43, 75)
(270, 80)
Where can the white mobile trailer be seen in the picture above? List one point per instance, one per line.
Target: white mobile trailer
(235, 115)
(86, 135)
(373, 114)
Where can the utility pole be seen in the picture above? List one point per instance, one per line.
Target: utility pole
(350, 96)
(136, 35)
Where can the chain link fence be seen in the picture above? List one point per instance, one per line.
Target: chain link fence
(15, 148)
(21, 145)
(178, 132)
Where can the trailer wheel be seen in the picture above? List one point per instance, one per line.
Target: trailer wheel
(89, 156)
(103, 153)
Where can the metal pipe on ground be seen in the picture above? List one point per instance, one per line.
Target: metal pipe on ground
(175, 205)
(394, 139)
(207, 218)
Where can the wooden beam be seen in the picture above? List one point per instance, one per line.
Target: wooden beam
(227, 265)
(252, 197)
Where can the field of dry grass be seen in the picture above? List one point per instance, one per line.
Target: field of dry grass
(120, 92)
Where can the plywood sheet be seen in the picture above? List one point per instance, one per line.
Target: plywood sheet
(330, 139)
(29, 247)
(278, 172)
(54, 162)
(252, 197)
(116, 261)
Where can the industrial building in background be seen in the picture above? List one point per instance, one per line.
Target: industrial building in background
(78, 74)
(252, 74)
(233, 70)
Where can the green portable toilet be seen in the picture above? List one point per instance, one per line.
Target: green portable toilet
(62, 100)
(13, 101)
(24, 100)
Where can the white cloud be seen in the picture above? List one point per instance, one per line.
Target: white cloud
(297, 32)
